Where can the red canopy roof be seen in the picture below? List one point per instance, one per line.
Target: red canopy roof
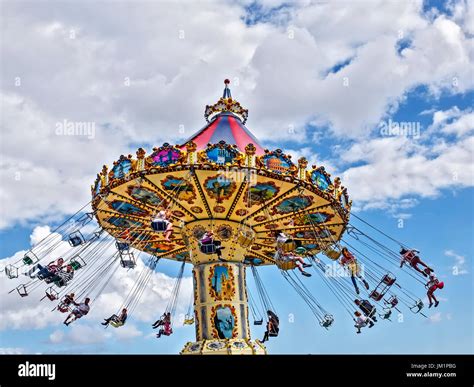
(227, 120)
(227, 127)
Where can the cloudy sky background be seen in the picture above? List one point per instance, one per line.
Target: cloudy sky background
(320, 79)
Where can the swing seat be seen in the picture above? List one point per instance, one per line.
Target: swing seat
(159, 225)
(287, 246)
(21, 289)
(60, 283)
(388, 280)
(327, 322)
(76, 239)
(11, 271)
(167, 332)
(30, 258)
(393, 301)
(332, 254)
(63, 307)
(300, 250)
(417, 307)
(86, 218)
(188, 321)
(245, 239)
(377, 296)
(208, 248)
(122, 246)
(258, 322)
(52, 294)
(127, 260)
(77, 262)
(116, 324)
(286, 265)
(273, 333)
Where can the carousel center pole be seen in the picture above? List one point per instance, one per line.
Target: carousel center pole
(220, 301)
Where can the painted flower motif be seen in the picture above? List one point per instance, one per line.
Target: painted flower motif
(219, 209)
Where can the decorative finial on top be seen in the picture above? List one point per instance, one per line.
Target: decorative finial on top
(226, 90)
(226, 104)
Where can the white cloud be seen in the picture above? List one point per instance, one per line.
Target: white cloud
(127, 332)
(436, 318)
(396, 170)
(11, 351)
(282, 78)
(459, 267)
(80, 334)
(453, 121)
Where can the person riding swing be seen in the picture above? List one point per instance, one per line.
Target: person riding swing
(163, 217)
(49, 271)
(273, 326)
(208, 243)
(116, 320)
(165, 318)
(361, 321)
(411, 258)
(350, 262)
(79, 311)
(433, 284)
(283, 259)
(367, 308)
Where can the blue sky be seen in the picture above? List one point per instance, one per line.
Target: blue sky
(411, 63)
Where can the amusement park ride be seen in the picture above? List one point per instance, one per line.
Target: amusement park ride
(223, 204)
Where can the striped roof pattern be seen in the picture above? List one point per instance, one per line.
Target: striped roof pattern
(227, 127)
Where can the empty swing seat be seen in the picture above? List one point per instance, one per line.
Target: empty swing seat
(21, 289)
(76, 239)
(11, 271)
(122, 246)
(245, 238)
(208, 248)
(52, 294)
(388, 280)
(127, 260)
(159, 225)
(258, 322)
(417, 307)
(287, 246)
(86, 218)
(300, 250)
(377, 296)
(30, 258)
(327, 322)
(188, 320)
(393, 301)
(77, 262)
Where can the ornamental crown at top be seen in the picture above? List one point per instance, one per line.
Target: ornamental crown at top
(226, 104)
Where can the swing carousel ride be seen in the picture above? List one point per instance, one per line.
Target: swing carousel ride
(223, 204)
